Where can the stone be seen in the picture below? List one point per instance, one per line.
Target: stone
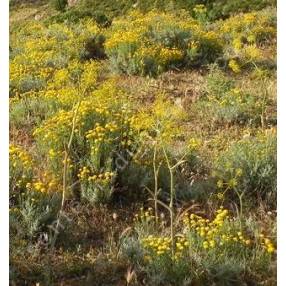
(72, 3)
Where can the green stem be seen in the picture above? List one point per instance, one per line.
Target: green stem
(155, 186)
(172, 211)
(171, 205)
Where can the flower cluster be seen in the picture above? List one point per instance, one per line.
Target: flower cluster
(266, 243)
(96, 186)
(214, 233)
(45, 184)
(19, 157)
(234, 66)
(21, 167)
(200, 9)
(144, 216)
(157, 246)
(85, 174)
(194, 143)
(98, 134)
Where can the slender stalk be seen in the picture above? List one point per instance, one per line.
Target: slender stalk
(66, 155)
(172, 210)
(171, 205)
(156, 191)
(240, 212)
(263, 109)
(265, 94)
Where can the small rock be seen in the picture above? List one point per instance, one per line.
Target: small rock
(38, 17)
(72, 3)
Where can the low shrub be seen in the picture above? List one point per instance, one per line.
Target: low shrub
(30, 111)
(153, 43)
(225, 103)
(59, 5)
(249, 166)
(48, 51)
(34, 214)
(74, 15)
(226, 8)
(206, 249)
(245, 44)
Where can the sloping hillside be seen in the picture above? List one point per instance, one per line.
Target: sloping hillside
(143, 143)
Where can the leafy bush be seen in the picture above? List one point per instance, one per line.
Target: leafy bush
(110, 8)
(132, 250)
(34, 213)
(74, 15)
(94, 48)
(225, 8)
(234, 107)
(30, 111)
(249, 166)
(153, 43)
(59, 5)
(225, 102)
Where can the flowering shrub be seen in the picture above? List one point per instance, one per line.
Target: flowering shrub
(102, 134)
(20, 169)
(214, 240)
(218, 232)
(158, 121)
(34, 200)
(152, 43)
(248, 38)
(198, 234)
(75, 15)
(235, 106)
(96, 187)
(38, 52)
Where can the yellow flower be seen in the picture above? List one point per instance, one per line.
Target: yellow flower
(212, 243)
(200, 9)
(238, 172)
(247, 242)
(232, 183)
(205, 245)
(270, 249)
(234, 66)
(194, 143)
(237, 44)
(220, 184)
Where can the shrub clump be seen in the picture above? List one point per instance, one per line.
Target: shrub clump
(59, 5)
(152, 43)
(249, 166)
